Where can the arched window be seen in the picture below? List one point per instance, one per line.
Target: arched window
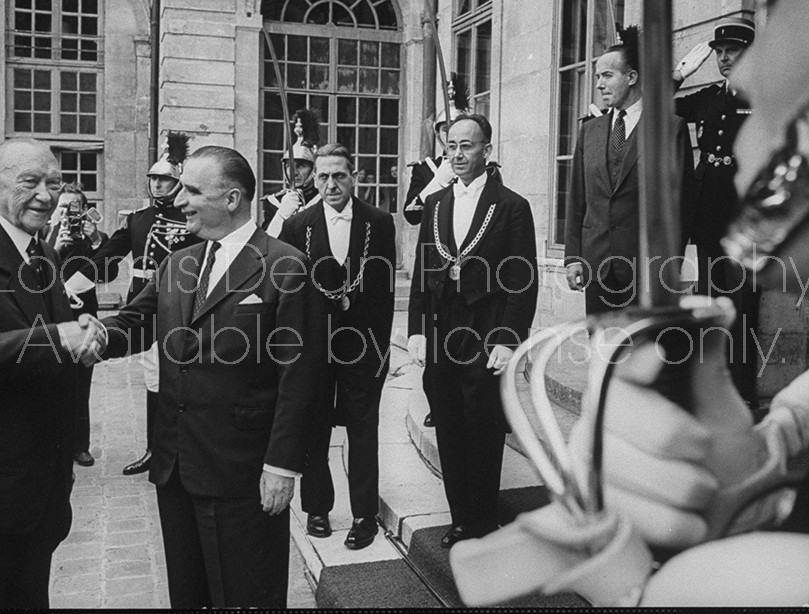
(343, 59)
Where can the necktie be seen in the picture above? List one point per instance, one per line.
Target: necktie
(617, 140)
(204, 279)
(35, 256)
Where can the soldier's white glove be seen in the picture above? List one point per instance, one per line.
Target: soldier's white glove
(290, 203)
(441, 179)
(693, 60)
(417, 348)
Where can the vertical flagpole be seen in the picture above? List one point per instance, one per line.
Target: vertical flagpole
(659, 214)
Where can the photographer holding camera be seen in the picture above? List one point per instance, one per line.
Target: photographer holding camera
(76, 238)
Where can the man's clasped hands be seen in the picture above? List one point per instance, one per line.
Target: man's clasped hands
(85, 339)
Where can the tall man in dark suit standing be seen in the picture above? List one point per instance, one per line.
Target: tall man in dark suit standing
(39, 351)
(472, 301)
(352, 247)
(601, 225)
(231, 317)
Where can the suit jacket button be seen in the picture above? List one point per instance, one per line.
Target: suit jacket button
(183, 369)
(181, 407)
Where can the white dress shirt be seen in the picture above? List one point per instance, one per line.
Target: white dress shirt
(466, 201)
(230, 246)
(631, 118)
(338, 225)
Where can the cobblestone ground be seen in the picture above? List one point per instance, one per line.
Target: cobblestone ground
(113, 557)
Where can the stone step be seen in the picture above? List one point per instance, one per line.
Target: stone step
(413, 511)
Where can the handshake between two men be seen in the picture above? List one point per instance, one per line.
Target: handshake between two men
(85, 339)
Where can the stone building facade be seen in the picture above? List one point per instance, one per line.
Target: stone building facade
(528, 65)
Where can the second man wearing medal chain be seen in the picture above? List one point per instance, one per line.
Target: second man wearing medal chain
(352, 249)
(472, 301)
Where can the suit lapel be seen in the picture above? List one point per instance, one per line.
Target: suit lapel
(356, 241)
(22, 281)
(446, 205)
(320, 245)
(601, 137)
(248, 263)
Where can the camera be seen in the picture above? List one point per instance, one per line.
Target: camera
(74, 216)
(74, 219)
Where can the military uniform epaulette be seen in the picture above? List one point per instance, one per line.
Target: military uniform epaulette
(143, 208)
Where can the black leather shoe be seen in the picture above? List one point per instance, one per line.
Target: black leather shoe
(454, 535)
(428, 420)
(361, 534)
(318, 526)
(85, 459)
(139, 466)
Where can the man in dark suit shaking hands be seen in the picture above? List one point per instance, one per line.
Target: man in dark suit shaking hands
(472, 301)
(352, 247)
(40, 347)
(232, 319)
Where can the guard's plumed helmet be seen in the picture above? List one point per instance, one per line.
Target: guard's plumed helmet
(458, 102)
(307, 127)
(175, 150)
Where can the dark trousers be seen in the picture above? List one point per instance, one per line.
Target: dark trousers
(464, 398)
(609, 293)
(25, 559)
(81, 441)
(720, 276)
(222, 552)
(351, 397)
(470, 440)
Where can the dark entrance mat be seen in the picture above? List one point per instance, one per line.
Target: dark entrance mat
(381, 584)
(427, 555)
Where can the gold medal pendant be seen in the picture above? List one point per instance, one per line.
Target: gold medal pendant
(455, 272)
(345, 303)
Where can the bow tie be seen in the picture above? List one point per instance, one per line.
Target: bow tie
(461, 190)
(343, 215)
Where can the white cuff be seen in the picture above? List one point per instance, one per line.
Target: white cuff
(286, 473)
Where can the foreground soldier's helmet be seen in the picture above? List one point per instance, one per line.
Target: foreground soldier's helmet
(307, 127)
(458, 102)
(175, 150)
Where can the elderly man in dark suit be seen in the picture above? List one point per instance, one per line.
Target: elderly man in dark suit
(601, 225)
(39, 350)
(352, 246)
(232, 319)
(472, 301)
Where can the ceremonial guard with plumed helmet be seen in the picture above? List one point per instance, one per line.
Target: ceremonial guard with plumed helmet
(150, 234)
(283, 204)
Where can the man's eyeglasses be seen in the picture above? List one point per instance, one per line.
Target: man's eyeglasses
(464, 146)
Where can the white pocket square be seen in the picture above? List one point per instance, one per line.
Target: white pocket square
(251, 300)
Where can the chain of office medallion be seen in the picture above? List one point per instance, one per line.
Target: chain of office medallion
(444, 252)
(344, 292)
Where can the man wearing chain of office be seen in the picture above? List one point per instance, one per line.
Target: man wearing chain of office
(150, 234)
(472, 301)
(352, 249)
